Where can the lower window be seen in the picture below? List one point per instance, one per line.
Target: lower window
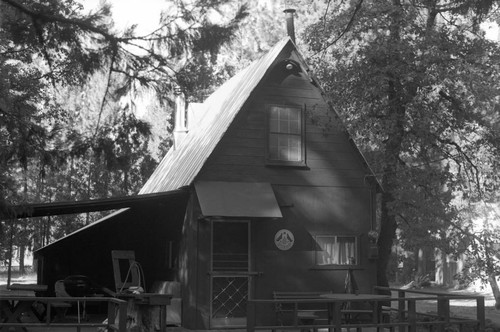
(336, 250)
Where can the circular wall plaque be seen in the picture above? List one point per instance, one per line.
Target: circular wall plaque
(284, 239)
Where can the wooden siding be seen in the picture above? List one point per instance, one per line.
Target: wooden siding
(146, 229)
(329, 196)
(331, 158)
(309, 212)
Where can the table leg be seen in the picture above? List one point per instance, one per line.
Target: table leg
(334, 317)
(163, 318)
(329, 309)
(337, 317)
(14, 314)
(5, 310)
(376, 312)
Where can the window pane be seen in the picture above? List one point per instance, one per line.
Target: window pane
(283, 140)
(295, 148)
(294, 127)
(338, 250)
(283, 126)
(284, 114)
(294, 114)
(294, 154)
(285, 134)
(283, 153)
(274, 113)
(273, 147)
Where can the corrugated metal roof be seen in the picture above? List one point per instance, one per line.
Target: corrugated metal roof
(180, 166)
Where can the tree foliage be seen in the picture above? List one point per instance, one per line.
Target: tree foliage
(417, 83)
(69, 81)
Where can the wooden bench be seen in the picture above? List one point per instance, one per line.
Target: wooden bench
(305, 314)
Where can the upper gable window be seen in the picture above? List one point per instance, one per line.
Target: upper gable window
(286, 135)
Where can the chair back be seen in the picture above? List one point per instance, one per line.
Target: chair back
(59, 289)
(125, 269)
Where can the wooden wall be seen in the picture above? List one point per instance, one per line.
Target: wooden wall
(146, 230)
(331, 157)
(329, 196)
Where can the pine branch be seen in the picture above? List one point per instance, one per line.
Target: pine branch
(106, 92)
(43, 17)
(39, 33)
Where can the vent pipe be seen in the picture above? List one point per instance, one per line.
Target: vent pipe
(290, 26)
(180, 125)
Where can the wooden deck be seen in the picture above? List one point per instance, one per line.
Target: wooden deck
(400, 309)
(395, 313)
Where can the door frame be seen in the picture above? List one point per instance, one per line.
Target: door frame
(248, 274)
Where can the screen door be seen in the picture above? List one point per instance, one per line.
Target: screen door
(230, 277)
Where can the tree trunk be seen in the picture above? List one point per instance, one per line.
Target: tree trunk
(385, 240)
(396, 112)
(11, 253)
(491, 270)
(22, 253)
(47, 231)
(496, 291)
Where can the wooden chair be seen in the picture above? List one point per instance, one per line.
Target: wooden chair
(62, 307)
(126, 270)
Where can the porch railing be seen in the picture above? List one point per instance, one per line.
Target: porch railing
(406, 307)
(116, 313)
(396, 313)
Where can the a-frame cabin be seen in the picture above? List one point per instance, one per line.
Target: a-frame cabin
(267, 193)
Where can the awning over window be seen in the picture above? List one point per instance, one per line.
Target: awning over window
(237, 199)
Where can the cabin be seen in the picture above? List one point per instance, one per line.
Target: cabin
(263, 191)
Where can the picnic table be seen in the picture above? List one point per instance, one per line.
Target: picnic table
(18, 301)
(335, 310)
(35, 288)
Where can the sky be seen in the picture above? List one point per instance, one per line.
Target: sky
(492, 30)
(145, 13)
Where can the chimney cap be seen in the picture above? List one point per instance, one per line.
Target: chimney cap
(289, 10)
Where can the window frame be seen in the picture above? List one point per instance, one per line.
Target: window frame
(279, 162)
(336, 236)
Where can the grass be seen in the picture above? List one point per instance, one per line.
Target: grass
(17, 277)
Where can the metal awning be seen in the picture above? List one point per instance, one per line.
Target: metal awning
(237, 199)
